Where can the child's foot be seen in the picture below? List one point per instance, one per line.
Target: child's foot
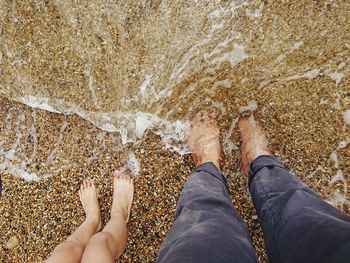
(88, 198)
(254, 142)
(203, 138)
(123, 194)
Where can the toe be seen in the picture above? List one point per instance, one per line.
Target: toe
(116, 174)
(92, 183)
(127, 176)
(193, 122)
(213, 121)
(197, 119)
(213, 115)
(205, 117)
(242, 123)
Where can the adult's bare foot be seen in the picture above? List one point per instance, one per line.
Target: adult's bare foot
(88, 198)
(203, 138)
(123, 194)
(254, 141)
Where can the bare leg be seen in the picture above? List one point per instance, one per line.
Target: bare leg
(109, 244)
(72, 249)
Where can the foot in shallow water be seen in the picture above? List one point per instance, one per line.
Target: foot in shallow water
(203, 139)
(88, 198)
(254, 142)
(123, 194)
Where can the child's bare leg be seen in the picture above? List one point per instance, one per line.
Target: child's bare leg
(72, 249)
(109, 244)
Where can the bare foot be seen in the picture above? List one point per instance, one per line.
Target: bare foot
(88, 198)
(254, 142)
(203, 138)
(123, 194)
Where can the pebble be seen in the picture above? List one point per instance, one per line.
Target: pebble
(12, 243)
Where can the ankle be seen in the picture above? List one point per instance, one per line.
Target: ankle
(119, 213)
(94, 220)
(253, 156)
(215, 162)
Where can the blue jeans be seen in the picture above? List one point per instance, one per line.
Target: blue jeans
(298, 225)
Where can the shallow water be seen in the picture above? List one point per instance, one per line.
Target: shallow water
(130, 67)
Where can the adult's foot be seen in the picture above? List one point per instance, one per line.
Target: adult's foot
(203, 139)
(254, 141)
(123, 194)
(88, 198)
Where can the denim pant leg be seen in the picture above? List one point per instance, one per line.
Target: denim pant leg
(207, 228)
(298, 225)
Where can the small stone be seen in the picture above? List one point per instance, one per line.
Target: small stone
(12, 243)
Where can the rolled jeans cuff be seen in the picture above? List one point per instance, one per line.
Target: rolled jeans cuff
(210, 168)
(261, 162)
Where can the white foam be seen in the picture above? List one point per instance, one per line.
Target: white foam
(252, 121)
(297, 45)
(100, 136)
(226, 83)
(228, 146)
(37, 102)
(145, 84)
(334, 157)
(280, 58)
(337, 177)
(252, 106)
(91, 88)
(336, 76)
(143, 122)
(217, 13)
(256, 13)
(234, 57)
(311, 175)
(18, 172)
(344, 144)
(311, 74)
(338, 200)
(346, 116)
(108, 127)
(133, 164)
(51, 156)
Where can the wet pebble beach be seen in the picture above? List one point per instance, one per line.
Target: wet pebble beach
(86, 88)
(41, 214)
